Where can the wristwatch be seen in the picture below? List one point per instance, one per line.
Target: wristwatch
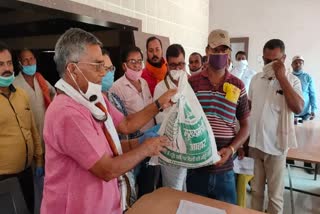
(158, 105)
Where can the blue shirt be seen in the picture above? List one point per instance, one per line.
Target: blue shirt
(308, 91)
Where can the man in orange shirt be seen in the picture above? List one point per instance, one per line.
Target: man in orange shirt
(156, 65)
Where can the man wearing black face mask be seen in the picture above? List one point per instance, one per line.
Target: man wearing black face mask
(275, 96)
(224, 99)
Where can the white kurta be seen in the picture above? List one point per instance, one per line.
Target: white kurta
(36, 100)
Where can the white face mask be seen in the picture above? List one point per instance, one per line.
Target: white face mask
(93, 93)
(175, 74)
(268, 70)
(241, 65)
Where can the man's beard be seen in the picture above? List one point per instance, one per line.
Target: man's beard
(155, 64)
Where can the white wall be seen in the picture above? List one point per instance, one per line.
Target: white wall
(183, 21)
(295, 22)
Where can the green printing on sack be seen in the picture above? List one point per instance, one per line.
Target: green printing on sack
(195, 136)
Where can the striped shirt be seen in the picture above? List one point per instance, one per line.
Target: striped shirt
(222, 107)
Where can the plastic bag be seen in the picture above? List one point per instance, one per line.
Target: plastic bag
(192, 141)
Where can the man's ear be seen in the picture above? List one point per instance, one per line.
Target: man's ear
(72, 70)
(283, 58)
(124, 67)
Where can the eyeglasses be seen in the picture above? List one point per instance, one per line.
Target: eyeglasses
(110, 69)
(135, 62)
(99, 66)
(174, 66)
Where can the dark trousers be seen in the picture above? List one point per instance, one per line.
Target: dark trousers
(147, 178)
(26, 183)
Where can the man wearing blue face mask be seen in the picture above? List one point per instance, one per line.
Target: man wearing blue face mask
(40, 93)
(224, 99)
(19, 138)
(308, 89)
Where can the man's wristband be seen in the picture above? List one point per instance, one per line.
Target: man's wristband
(158, 105)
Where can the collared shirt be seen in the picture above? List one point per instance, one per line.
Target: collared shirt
(36, 100)
(267, 103)
(75, 141)
(133, 100)
(308, 92)
(19, 138)
(222, 107)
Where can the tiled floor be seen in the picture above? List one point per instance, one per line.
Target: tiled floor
(304, 204)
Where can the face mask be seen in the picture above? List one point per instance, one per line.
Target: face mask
(268, 71)
(241, 65)
(107, 81)
(6, 81)
(297, 73)
(175, 74)
(218, 61)
(93, 92)
(29, 69)
(133, 75)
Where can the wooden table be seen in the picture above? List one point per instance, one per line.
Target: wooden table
(309, 152)
(166, 201)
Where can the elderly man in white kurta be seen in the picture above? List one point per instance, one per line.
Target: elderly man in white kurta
(40, 94)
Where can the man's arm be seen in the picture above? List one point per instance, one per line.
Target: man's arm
(313, 99)
(238, 141)
(137, 120)
(294, 101)
(108, 168)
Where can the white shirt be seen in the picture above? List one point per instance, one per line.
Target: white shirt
(36, 100)
(267, 105)
(160, 89)
(244, 74)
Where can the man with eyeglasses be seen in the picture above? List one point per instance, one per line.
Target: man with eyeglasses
(20, 142)
(156, 67)
(275, 96)
(224, 99)
(84, 157)
(173, 177)
(40, 93)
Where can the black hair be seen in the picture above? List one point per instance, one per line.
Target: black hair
(196, 53)
(242, 53)
(151, 39)
(105, 52)
(174, 50)
(273, 44)
(129, 50)
(3, 47)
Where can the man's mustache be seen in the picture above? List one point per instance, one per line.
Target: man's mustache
(154, 57)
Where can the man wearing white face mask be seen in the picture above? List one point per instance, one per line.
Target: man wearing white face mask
(85, 161)
(173, 177)
(241, 70)
(275, 96)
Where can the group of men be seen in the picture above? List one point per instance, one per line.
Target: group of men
(85, 158)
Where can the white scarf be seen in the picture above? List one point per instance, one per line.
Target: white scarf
(95, 111)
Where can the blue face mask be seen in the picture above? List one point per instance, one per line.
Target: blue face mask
(6, 81)
(107, 81)
(297, 73)
(29, 69)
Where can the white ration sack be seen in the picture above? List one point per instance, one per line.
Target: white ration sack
(192, 141)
